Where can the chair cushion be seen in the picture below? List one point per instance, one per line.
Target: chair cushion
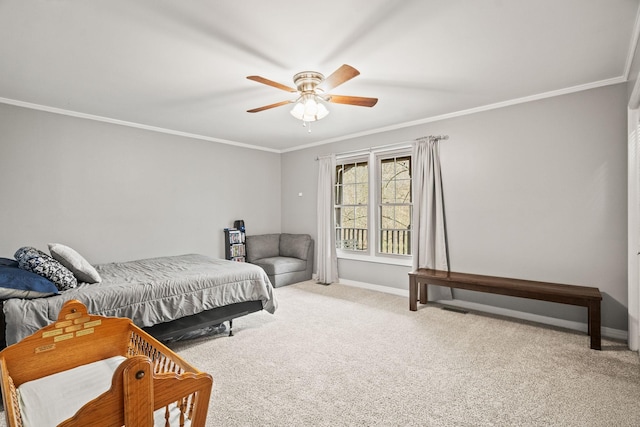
(294, 245)
(262, 246)
(280, 265)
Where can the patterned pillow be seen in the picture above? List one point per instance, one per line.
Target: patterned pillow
(27, 250)
(35, 261)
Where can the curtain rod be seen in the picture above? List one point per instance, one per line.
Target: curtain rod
(403, 144)
(436, 137)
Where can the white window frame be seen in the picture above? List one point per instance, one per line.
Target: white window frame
(372, 254)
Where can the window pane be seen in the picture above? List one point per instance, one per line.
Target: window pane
(403, 217)
(384, 241)
(360, 219)
(388, 192)
(348, 194)
(347, 216)
(338, 194)
(403, 168)
(387, 169)
(349, 175)
(339, 173)
(386, 217)
(362, 194)
(403, 191)
(338, 217)
(362, 172)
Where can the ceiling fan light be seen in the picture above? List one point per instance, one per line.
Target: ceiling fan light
(322, 111)
(298, 110)
(308, 109)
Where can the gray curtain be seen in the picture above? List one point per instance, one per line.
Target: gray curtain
(428, 235)
(326, 259)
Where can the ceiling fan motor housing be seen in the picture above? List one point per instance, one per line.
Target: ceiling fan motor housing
(307, 81)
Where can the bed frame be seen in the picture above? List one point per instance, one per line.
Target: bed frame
(151, 378)
(185, 325)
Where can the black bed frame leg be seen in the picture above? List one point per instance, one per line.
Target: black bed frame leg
(230, 327)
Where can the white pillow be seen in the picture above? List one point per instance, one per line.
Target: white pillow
(71, 259)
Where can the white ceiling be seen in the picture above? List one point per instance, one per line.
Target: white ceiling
(181, 65)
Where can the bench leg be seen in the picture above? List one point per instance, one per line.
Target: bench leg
(594, 325)
(423, 293)
(413, 293)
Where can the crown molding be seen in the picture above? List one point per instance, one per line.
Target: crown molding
(72, 113)
(497, 105)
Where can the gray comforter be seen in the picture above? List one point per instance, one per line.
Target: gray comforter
(149, 291)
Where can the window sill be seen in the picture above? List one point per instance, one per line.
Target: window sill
(406, 262)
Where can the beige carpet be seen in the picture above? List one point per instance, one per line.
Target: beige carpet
(337, 355)
(342, 356)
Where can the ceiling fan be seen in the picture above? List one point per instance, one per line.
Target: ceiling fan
(312, 88)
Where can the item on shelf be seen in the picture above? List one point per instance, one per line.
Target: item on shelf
(239, 225)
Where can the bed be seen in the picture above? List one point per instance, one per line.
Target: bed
(86, 370)
(166, 296)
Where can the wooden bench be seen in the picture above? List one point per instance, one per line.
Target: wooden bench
(566, 294)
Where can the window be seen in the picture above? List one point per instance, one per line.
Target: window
(394, 208)
(352, 206)
(382, 193)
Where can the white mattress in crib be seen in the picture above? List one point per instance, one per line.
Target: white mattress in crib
(50, 400)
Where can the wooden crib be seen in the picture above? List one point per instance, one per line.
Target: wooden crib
(151, 386)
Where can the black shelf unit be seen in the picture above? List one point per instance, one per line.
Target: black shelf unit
(234, 247)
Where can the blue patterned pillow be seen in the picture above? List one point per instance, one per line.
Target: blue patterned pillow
(35, 261)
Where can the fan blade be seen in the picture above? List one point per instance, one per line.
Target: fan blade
(271, 83)
(341, 75)
(266, 107)
(352, 100)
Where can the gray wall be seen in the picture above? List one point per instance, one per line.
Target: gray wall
(534, 191)
(117, 193)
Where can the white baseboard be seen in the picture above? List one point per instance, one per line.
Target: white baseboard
(379, 288)
(617, 334)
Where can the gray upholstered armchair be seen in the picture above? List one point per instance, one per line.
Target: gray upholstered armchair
(286, 258)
